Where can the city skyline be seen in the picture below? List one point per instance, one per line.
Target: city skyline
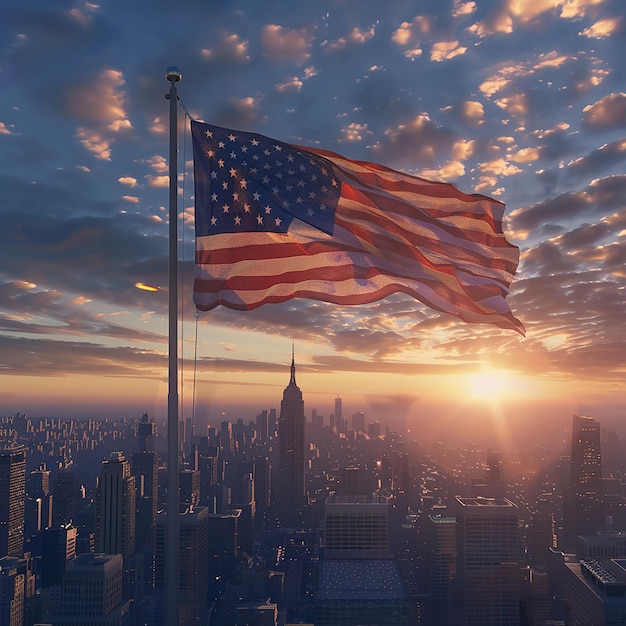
(521, 101)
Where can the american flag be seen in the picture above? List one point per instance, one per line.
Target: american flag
(276, 221)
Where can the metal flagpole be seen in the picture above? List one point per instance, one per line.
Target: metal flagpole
(172, 536)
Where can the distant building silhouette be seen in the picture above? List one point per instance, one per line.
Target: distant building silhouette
(339, 423)
(291, 448)
(358, 421)
(12, 499)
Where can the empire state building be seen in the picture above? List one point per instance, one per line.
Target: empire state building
(291, 450)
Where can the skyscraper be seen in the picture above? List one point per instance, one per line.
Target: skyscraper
(12, 592)
(144, 467)
(193, 575)
(58, 547)
(358, 583)
(12, 498)
(339, 424)
(583, 506)
(65, 496)
(291, 450)
(488, 561)
(356, 527)
(443, 567)
(91, 592)
(115, 510)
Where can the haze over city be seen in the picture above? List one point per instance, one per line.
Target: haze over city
(518, 100)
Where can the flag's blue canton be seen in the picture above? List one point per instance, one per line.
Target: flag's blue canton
(248, 183)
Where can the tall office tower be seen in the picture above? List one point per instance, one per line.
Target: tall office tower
(189, 481)
(317, 420)
(145, 469)
(115, 507)
(488, 561)
(291, 450)
(358, 422)
(145, 434)
(374, 429)
(38, 513)
(272, 423)
(339, 423)
(193, 575)
(358, 583)
(12, 497)
(356, 527)
(442, 532)
(66, 494)
(262, 425)
(583, 504)
(12, 592)
(226, 438)
(223, 548)
(91, 593)
(349, 481)
(188, 439)
(58, 547)
(262, 471)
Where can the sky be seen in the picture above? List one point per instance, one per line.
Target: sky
(520, 100)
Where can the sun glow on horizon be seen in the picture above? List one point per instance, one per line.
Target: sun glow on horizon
(491, 386)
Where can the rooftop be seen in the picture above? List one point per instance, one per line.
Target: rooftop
(360, 580)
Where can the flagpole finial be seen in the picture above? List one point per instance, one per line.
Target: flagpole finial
(173, 74)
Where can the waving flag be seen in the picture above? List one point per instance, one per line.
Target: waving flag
(276, 221)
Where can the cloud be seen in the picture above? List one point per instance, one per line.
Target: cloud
(472, 112)
(461, 7)
(293, 84)
(602, 28)
(417, 142)
(354, 132)
(238, 113)
(230, 48)
(158, 163)
(499, 167)
(101, 99)
(446, 50)
(408, 36)
(506, 74)
(158, 181)
(525, 155)
(355, 37)
(576, 9)
(286, 45)
(600, 196)
(607, 113)
(598, 160)
(100, 105)
(129, 181)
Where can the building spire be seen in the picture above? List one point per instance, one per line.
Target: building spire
(293, 364)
